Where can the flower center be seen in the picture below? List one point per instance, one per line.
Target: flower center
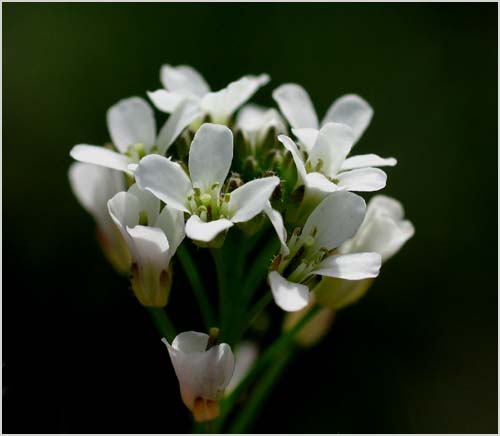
(210, 204)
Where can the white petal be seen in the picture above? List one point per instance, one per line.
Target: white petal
(171, 221)
(166, 101)
(367, 160)
(295, 104)
(185, 79)
(352, 110)
(288, 295)
(190, 342)
(335, 219)
(297, 158)
(131, 121)
(245, 355)
(331, 148)
(93, 186)
(307, 137)
(150, 248)
(255, 121)
(101, 156)
(351, 266)
(277, 222)
(199, 230)
(147, 202)
(362, 179)
(221, 104)
(164, 179)
(183, 115)
(210, 155)
(250, 199)
(384, 229)
(124, 208)
(318, 182)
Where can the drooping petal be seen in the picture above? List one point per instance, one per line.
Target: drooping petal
(183, 79)
(104, 157)
(335, 220)
(384, 229)
(203, 374)
(350, 266)
(148, 203)
(150, 246)
(182, 116)
(131, 121)
(307, 137)
(171, 221)
(124, 208)
(367, 160)
(210, 155)
(199, 230)
(166, 101)
(250, 199)
(297, 158)
(221, 104)
(277, 222)
(164, 179)
(362, 179)
(295, 104)
(288, 295)
(352, 110)
(333, 144)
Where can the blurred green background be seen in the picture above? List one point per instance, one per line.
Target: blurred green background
(418, 354)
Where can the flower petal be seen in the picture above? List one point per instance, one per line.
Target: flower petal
(202, 231)
(362, 179)
(367, 160)
(164, 179)
(150, 248)
(210, 155)
(307, 137)
(131, 121)
(184, 79)
(335, 219)
(352, 110)
(101, 156)
(165, 101)
(183, 115)
(331, 148)
(250, 199)
(221, 104)
(297, 158)
(350, 266)
(124, 208)
(255, 121)
(277, 222)
(295, 104)
(288, 295)
(171, 221)
(147, 202)
(245, 355)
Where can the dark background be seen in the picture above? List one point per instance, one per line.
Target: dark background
(418, 354)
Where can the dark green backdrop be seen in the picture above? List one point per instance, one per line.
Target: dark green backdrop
(418, 354)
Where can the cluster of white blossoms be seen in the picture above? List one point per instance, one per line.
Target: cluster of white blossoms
(220, 165)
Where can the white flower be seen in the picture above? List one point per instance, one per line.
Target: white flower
(203, 372)
(384, 230)
(245, 355)
(132, 127)
(254, 122)
(93, 186)
(184, 83)
(199, 194)
(309, 253)
(152, 237)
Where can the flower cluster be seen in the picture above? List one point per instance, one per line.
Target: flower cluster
(220, 166)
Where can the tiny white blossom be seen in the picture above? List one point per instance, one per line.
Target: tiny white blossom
(184, 83)
(203, 372)
(132, 127)
(152, 237)
(310, 251)
(199, 194)
(93, 186)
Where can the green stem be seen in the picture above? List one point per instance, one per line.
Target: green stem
(260, 393)
(254, 312)
(162, 323)
(277, 347)
(223, 285)
(196, 283)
